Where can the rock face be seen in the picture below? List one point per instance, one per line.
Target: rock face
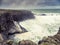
(9, 22)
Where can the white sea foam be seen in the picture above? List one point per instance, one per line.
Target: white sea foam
(41, 26)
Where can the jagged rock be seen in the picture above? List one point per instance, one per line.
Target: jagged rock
(51, 40)
(9, 23)
(9, 20)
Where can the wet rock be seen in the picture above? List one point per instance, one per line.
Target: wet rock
(51, 40)
(10, 42)
(9, 24)
(43, 14)
(26, 42)
(9, 20)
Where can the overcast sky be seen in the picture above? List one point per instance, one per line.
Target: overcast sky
(29, 3)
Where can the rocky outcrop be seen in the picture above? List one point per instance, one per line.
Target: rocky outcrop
(51, 40)
(9, 22)
(9, 25)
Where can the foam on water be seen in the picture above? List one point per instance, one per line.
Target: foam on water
(41, 26)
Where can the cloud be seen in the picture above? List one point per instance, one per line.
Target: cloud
(28, 3)
(19, 2)
(0, 2)
(48, 3)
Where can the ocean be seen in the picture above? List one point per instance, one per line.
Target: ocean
(46, 10)
(42, 25)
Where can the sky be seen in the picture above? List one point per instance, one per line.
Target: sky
(29, 4)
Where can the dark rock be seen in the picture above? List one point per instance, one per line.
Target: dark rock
(59, 31)
(43, 14)
(26, 42)
(10, 42)
(8, 19)
(51, 40)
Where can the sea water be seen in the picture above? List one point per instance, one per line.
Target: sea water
(40, 27)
